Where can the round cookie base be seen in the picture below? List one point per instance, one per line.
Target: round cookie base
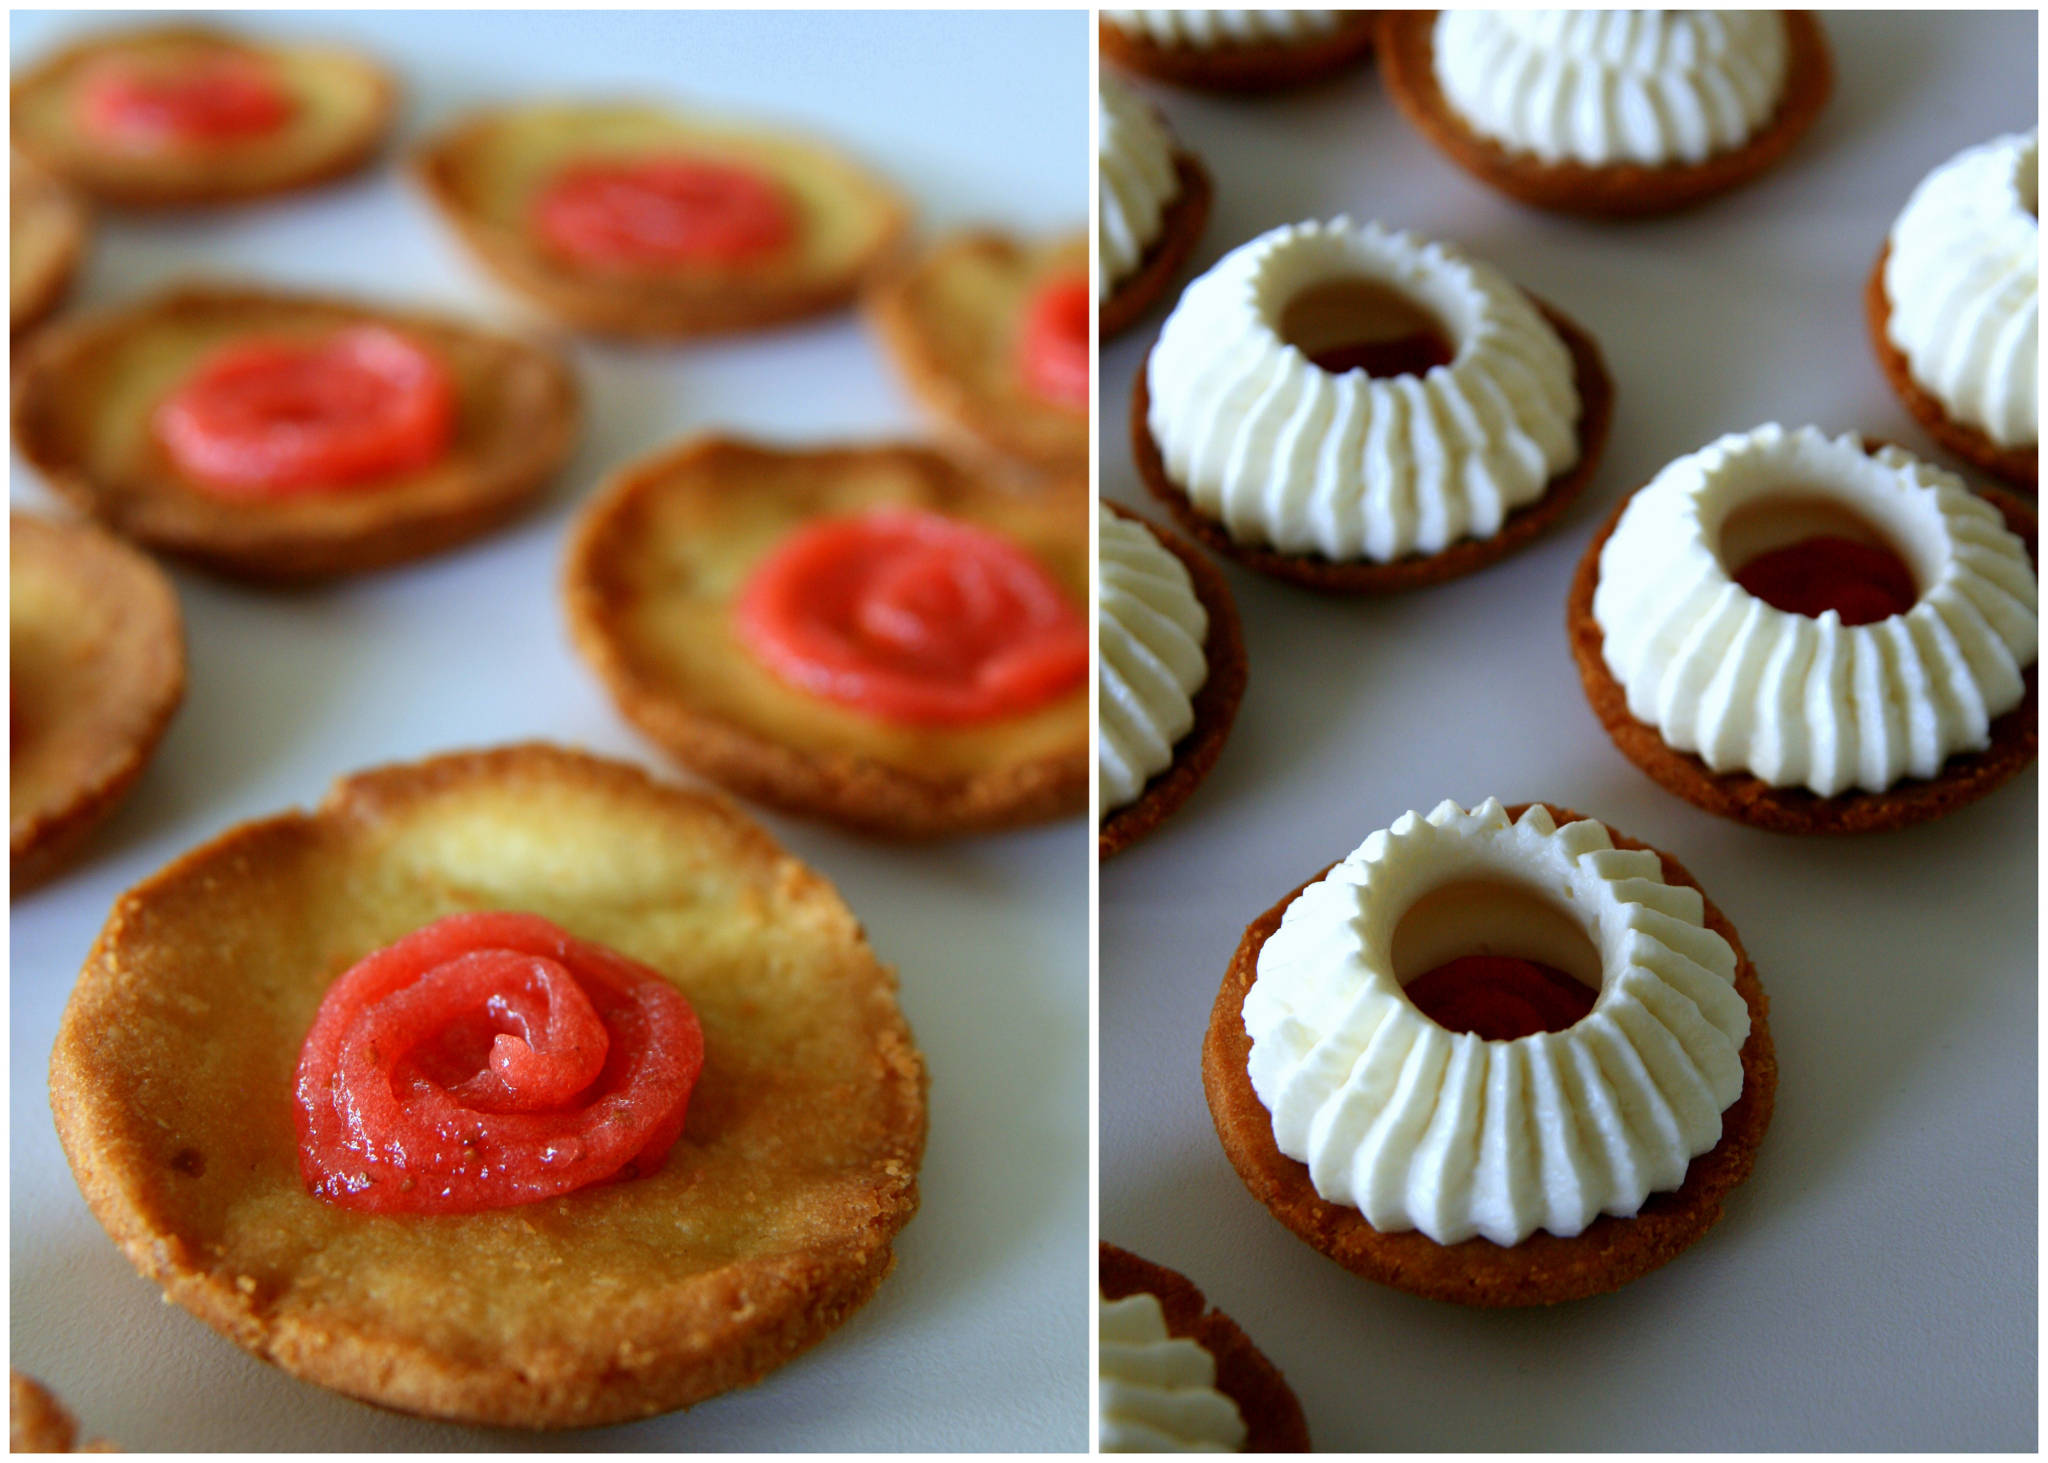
(1242, 68)
(535, 417)
(60, 223)
(1544, 1269)
(634, 307)
(675, 1339)
(861, 793)
(1179, 231)
(2015, 736)
(145, 183)
(1596, 414)
(50, 837)
(1272, 1413)
(1406, 45)
(2020, 466)
(1215, 704)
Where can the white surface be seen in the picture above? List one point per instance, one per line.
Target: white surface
(1873, 1284)
(979, 1338)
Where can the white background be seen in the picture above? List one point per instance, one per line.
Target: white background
(979, 1338)
(1873, 1284)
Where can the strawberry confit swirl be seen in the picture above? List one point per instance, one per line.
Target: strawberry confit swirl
(914, 618)
(488, 1060)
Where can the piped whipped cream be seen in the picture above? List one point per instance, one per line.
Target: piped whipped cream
(1963, 279)
(1208, 30)
(1802, 702)
(1156, 1393)
(1136, 180)
(1420, 1128)
(1604, 87)
(1150, 630)
(1354, 466)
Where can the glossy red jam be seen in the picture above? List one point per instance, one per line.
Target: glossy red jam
(1416, 353)
(914, 618)
(267, 418)
(1861, 582)
(1500, 997)
(487, 1060)
(659, 212)
(1054, 344)
(185, 101)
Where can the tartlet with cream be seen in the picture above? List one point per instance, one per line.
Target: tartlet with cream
(1608, 112)
(1175, 1375)
(1502, 1057)
(1363, 410)
(1954, 304)
(1152, 199)
(1170, 674)
(1235, 50)
(1811, 636)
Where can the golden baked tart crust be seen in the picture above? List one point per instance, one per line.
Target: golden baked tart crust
(2020, 466)
(344, 106)
(46, 235)
(85, 390)
(652, 573)
(766, 1226)
(1358, 576)
(1264, 67)
(2015, 736)
(1544, 1268)
(952, 318)
(1272, 1413)
(38, 1423)
(484, 173)
(1407, 66)
(97, 666)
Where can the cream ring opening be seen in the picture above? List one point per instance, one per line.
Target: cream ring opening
(1353, 323)
(1807, 554)
(1495, 958)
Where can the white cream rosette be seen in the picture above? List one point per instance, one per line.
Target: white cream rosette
(1156, 1393)
(1150, 631)
(1963, 280)
(1420, 1128)
(1136, 180)
(1352, 466)
(1209, 30)
(1802, 702)
(1653, 88)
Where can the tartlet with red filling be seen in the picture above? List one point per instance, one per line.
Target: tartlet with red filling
(346, 1083)
(873, 635)
(991, 334)
(96, 668)
(46, 233)
(284, 437)
(172, 116)
(636, 221)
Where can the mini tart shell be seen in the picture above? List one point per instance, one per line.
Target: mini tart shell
(2020, 466)
(47, 228)
(1272, 1413)
(1180, 229)
(1264, 67)
(1543, 1269)
(97, 667)
(1596, 414)
(481, 174)
(652, 572)
(84, 390)
(767, 1225)
(1965, 777)
(1215, 702)
(346, 108)
(1406, 52)
(950, 319)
